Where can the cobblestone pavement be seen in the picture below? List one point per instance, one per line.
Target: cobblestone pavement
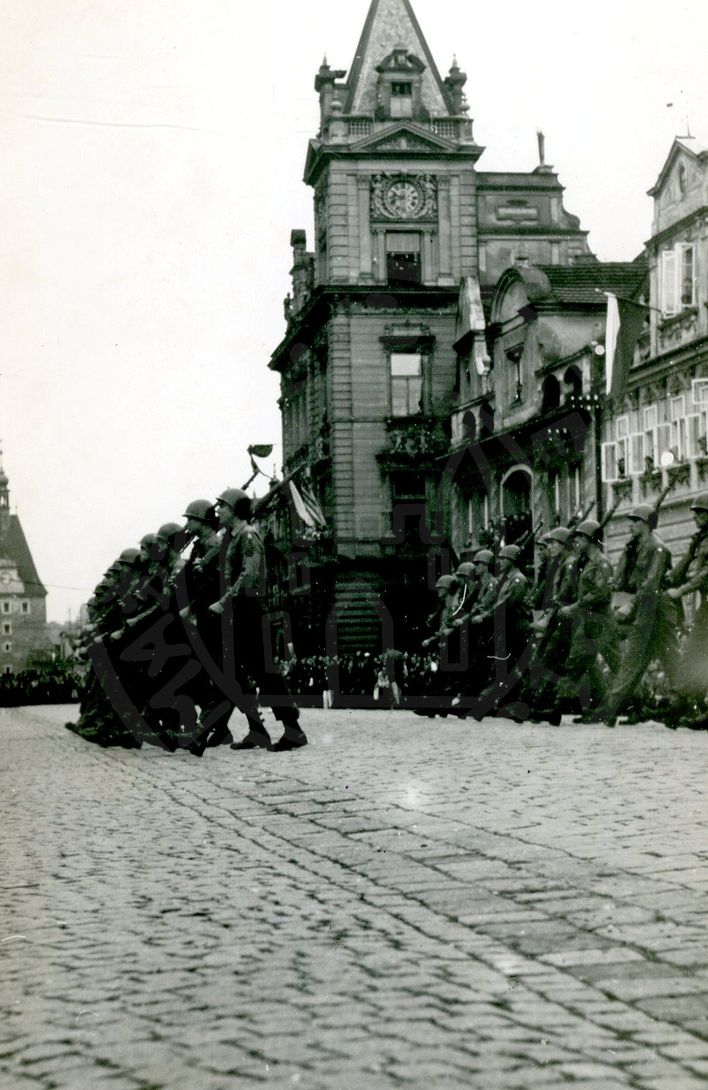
(402, 904)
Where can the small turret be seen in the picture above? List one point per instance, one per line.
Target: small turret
(325, 82)
(455, 83)
(302, 271)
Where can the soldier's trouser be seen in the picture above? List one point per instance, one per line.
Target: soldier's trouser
(648, 640)
(255, 659)
(549, 664)
(594, 635)
(692, 671)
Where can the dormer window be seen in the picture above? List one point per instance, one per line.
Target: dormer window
(401, 99)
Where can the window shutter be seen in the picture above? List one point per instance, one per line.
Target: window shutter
(636, 454)
(669, 302)
(609, 462)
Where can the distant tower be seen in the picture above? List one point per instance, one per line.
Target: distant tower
(23, 610)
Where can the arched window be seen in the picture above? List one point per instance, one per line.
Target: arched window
(551, 394)
(572, 383)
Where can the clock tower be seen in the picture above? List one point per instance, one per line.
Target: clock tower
(368, 366)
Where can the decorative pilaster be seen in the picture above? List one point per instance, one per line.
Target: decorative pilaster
(365, 252)
(444, 233)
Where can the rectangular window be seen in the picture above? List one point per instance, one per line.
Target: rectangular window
(8, 669)
(678, 285)
(403, 260)
(470, 518)
(622, 427)
(636, 454)
(679, 433)
(556, 493)
(407, 488)
(6, 607)
(577, 488)
(651, 452)
(688, 293)
(406, 383)
(7, 630)
(663, 441)
(697, 435)
(8, 648)
(700, 393)
(609, 462)
(401, 99)
(25, 607)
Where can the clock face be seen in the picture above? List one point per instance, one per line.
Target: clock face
(403, 199)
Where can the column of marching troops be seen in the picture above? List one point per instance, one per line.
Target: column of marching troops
(582, 637)
(175, 644)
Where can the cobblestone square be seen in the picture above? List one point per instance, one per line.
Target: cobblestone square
(404, 903)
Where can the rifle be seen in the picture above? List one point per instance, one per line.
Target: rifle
(530, 536)
(610, 514)
(581, 516)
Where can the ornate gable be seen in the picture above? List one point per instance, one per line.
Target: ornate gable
(405, 137)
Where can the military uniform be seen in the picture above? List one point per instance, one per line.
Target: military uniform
(510, 647)
(690, 577)
(651, 619)
(594, 634)
(247, 653)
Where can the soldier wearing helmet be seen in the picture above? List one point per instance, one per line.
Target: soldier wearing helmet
(647, 615)
(243, 628)
(594, 628)
(198, 585)
(554, 630)
(690, 581)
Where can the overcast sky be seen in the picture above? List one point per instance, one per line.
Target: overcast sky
(152, 157)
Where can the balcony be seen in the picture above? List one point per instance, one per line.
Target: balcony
(414, 441)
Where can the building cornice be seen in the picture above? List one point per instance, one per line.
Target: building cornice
(679, 225)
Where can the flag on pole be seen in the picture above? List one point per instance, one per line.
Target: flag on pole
(306, 505)
(311, 503)
(625, 322)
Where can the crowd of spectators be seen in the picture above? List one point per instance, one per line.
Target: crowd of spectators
(56, 682)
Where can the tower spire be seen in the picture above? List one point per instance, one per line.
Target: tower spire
(391, 26)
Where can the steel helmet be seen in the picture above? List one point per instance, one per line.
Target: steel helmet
(129, 557)
(589, 528)
(201, 510)
(148, 541)
(700, 503)
(445, 582)
(643, 513)
(510, 552)
(234, 498)
(560, 534)
(169, 532)
(465, 570)
(484, 556)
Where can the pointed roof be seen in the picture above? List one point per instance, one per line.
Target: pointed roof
(14, 547)
(681, 144)
(391, 24)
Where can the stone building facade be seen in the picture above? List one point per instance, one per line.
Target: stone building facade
(657, 434)
(23, 611)
(372, 364)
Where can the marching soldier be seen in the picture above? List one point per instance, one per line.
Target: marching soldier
(243, 627)
(690, 577)
(198, 585)
(511, 619)
(649, 616)
(594, 630)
